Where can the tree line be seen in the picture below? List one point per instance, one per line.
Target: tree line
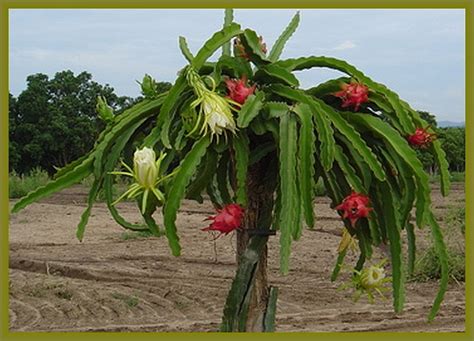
(54, 121)
(453, 143)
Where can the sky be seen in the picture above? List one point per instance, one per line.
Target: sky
(418, 53)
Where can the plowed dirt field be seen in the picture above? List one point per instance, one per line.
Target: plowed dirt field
(118, 281)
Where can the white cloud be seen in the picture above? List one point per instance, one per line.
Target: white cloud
(346, 45)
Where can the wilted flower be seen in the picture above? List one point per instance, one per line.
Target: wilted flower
(347, 242)
(237, 89)
(239, 49)
(146, 172)
(354, 207)
(353, 94)
(106, 113)
(226, 220)
(263, 46)
(421, 138)
(215, 111)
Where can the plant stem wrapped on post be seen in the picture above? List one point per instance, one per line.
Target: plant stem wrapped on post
(279, 140)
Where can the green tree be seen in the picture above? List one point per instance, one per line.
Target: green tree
(425, 155)
(429, 118)
(13, 145)
(427, 160)
(454, 145)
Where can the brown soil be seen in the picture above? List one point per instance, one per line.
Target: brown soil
(111, 283)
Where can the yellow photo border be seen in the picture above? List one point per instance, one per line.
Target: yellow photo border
(6, 5)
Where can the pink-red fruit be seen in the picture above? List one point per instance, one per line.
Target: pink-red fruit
(238, 90)
(353, 95)
(226, 220)
(354, 206)
(421, 138)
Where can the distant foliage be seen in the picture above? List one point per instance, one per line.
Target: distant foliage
(54, 120)
(429, 118)
(452, 141)
(20, 185)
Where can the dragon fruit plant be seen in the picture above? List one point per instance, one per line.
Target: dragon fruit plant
(241, 129)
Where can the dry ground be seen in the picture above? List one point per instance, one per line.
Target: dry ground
(107, 283)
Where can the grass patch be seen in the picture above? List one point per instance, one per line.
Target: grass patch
(64, 294)
(181, 305)
(454, 176)
(36, 291)
(130, 301)
(21, 185)
(120, 186)
(457, 216)
(135, 235)
(427, 266)
(60, 290)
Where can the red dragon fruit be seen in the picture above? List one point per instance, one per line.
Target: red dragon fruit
(226, 220)
(353, 94)
(354, 207)
(237, 89)
(421, 138)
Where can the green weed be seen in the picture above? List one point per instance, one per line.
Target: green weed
(454, 176)
(20, 185)
(135, 235)
(427, 267)
(130, 301)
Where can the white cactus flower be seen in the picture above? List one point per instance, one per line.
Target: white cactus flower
(218, 116)
(215, 112)
(145, 168)
(372, 277)
(147, 175)
(370, 281)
